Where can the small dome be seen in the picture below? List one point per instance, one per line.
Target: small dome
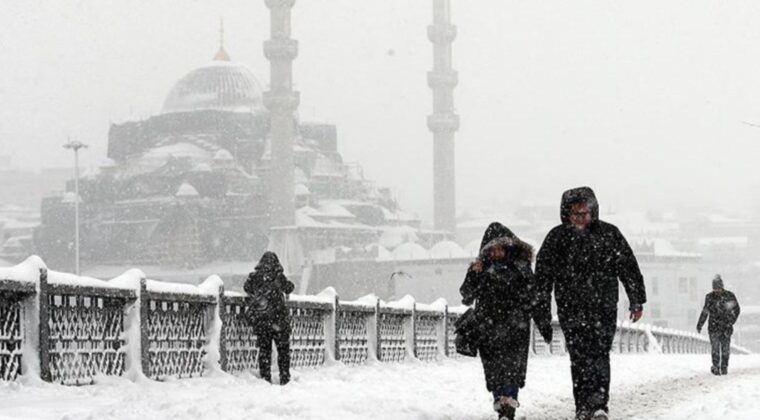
(410, 251)
(221, 86)
(448, 249)
(223, 155)
(186, 190)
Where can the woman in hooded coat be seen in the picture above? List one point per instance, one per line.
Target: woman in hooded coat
(266, 288)
(501, 284)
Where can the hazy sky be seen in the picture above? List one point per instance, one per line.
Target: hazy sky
(642, 100)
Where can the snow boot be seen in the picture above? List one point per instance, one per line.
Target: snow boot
(582, 415)
(507, 413)
(715, 370)
(600, 415)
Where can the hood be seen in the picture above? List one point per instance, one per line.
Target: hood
(717, 282)
(498, 234)
(269, 263)
(578, 195)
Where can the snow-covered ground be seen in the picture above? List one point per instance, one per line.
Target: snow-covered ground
(643, 387)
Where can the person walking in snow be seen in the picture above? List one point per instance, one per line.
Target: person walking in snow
(267, 288)
(723, 310)
(500, 283)
(582, 261)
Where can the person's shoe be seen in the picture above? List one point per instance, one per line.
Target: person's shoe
(600, 415)
(714, 370)
(507, 413)
(724, 371)
(582, 415)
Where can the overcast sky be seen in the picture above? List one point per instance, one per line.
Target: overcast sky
(642, 100)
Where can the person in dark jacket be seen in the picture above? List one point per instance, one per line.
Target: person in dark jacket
(582, 261)
(723, 309)
(266, 287)
(500, 283)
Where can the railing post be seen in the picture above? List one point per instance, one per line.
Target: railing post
(446, 330)
(144, 323)
(378, 338)
(222, 302)
(336, 327)
(44, 327)
(410, 330)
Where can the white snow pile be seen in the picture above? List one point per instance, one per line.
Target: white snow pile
(643, 387)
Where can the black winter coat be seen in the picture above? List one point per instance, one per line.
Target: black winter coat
(723, 310)
(584, 267)
(268, 279)
(504, 296)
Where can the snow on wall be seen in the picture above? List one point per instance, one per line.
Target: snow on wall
(26, 271)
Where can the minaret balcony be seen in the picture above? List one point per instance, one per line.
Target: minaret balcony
(442, 33)
(443, 123)
(281, 49)
(280, 4)
(281, 101)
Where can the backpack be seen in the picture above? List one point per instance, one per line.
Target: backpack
(260, 305)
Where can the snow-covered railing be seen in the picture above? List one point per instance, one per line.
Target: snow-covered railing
(636, 338)
(69, 329)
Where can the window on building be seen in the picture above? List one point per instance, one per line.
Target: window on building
(656, 311)
(692, 316)
(683, 285)
(693, 289)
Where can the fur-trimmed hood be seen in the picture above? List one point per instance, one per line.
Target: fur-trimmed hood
(499, 235)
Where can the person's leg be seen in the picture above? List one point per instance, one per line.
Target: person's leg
(725, 353)
(505, 400)
(599, 389)
(282, 341)
(600, 370)
(264, 340)
(715, 346)
(579, 369)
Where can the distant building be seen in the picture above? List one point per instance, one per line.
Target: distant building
(188, 187)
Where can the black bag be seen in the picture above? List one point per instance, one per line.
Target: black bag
(259, 306)
(467, 333)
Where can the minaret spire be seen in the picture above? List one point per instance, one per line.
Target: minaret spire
(221, 55)
(444, 122)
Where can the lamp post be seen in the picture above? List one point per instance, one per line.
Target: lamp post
(75, 146)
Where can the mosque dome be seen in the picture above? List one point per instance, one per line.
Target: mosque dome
(222, 85)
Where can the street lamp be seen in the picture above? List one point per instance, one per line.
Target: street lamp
(75, 146)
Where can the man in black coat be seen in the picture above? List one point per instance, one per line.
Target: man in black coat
(267, 287)
(582, 261)
(723, 309)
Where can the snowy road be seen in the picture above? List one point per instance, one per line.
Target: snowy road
(643, 387)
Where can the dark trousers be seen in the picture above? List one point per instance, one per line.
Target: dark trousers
(721, 350)
(282, 340)
(589, 339)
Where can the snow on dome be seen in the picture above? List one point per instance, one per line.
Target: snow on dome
(202, 167)
(186, 190)
(397, 235)
(383, 254)
(223, 155)
(410, 251)
(472, 248)
(448, 249)
(220, 86)
(302, 190)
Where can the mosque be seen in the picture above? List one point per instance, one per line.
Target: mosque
(227, 170)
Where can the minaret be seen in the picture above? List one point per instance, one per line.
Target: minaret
(282, 103)
(443, 122)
